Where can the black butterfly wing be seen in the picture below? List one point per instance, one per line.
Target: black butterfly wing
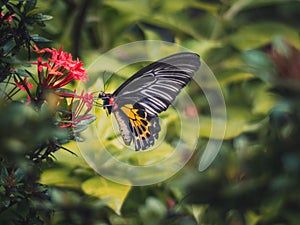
(156, 86)
(147, 93)
(135, 124)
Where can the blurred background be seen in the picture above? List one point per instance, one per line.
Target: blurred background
(252, 47)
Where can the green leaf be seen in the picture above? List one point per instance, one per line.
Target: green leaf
(259, 34)
(260, 65)
(228, 77)
(60, 177)
(238, 121)
(23, 73)
(210, 7)
(3, 176)
(153, 211)
(252, 218)
(83, 124)
(12, 7)
(264, 101)
(70, 160)
(201, 46)
(145, 11)
(6, 202)
(39, 17)
(258, 3)
(171, 6)
(64, 90)
(89, 118)
(130, 6)
(240, 5)
(174, 22)
(9, 46)
(18, 175)
(114, 194)
(150, 34)
(29, 5)
(37, 38)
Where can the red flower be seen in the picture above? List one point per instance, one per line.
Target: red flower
(8, 19)
(80, 110)
(59, 70)
(20, 83)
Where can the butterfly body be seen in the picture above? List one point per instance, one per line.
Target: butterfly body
(138, 101)
(108, 101)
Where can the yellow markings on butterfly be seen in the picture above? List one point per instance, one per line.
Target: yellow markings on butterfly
(138, 120)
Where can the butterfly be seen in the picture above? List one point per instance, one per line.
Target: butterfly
(150, 91)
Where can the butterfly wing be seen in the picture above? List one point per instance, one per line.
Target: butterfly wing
(137, 125)
(156, 86)
(147, 93)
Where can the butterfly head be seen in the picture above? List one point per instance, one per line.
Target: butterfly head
(108, 101)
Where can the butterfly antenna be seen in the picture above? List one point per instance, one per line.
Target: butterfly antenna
(94, 92)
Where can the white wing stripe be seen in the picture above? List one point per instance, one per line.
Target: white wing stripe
(156, 86)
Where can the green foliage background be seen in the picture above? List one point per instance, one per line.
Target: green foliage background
(255, 177)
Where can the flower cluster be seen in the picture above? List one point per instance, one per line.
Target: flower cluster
(84, 103)
(59, 69)
(53, 74)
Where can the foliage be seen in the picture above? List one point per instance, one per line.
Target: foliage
(16, 19)
(252, 48)
(34, 128)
